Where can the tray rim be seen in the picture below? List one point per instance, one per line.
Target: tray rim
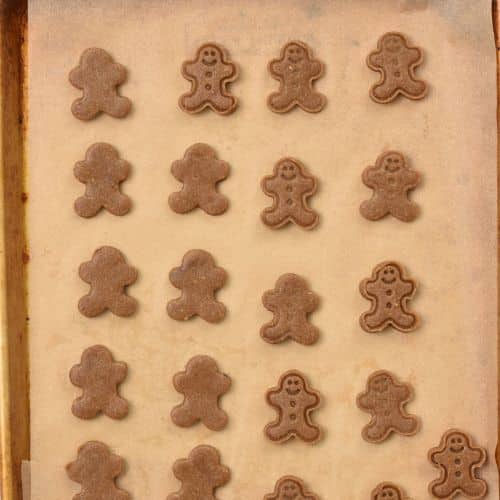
(14, 336)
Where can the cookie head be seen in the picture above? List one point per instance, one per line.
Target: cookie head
(289, 490)
(293, 384)
(387, 492)
(392, 42)
(295, 53)
(288, 170)
(380, 383)
(210, 55)
(389, 274)
(456, 443)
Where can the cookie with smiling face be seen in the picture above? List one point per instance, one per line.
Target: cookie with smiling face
(458, 461)
(294, 401)
(389, 291)
(290, 488)
(290, 186)
(385, 399)
(388, 491)
(296, 70)
(209, 73)
(391, 180)
(396, 61)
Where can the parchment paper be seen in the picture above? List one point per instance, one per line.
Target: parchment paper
(451, 249)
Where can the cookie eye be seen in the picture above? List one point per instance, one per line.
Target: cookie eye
(205, 53)
(289, 382)
(452, 440)
(212, 52)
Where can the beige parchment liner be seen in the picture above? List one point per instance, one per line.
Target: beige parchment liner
(451, 249)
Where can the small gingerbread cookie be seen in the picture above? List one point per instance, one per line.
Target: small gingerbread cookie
(389, 291)
(99, 76)
(199, 278)
(202, 385)
(102, 171)
(200, 170)
(385, 398)
(294, 402)
(396, 61)
(291, 302)
(290, 186)
(296, 70)
(458, 461)
(388, 491)
(96, 469)
(391, 180)
(200, 474)
(107, 274)
(209, 73)
(98, 375)
(291, 488)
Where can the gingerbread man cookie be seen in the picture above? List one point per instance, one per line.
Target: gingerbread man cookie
(102, 171)
(107, 274)
(200, 474)
(389, 291)
(388, 491)
(99, 76)
(202, 385)
(294, 401)
(458, 461)
(391, 180)
(209, 73)
(199, 278)
(200, 170)
(291, 302)
(290, 186)
(296, 70)
(291, 488)
(385, 398)
(96, 469)
(98, 375)
(396, 61)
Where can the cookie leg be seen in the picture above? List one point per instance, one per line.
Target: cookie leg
(117, 107)
(308, 432)
(280, 102)
(277, 432)
(183, 416)
(224, 103)
(375, 320)
(214, 204)
(192, 102)
(91, 306)
(373, 209)
(182, 202)
(274, 217)
(118, 204)
(312, 101)
(180, 310)
(415, 88)
(85, 108)
(212, 311)
(305, 333)
(306, 218)
(476, 488)
(407, 425)
(123, 305)
(87, 207)
(383, 92)
(275, 332)
(404, 210)
(374, 432)
(442, 489)
(216, 419)
(116, 407)
(85, 407)
(404, 320)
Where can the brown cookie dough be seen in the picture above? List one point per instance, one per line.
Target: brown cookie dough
(291, 302)
(98, 375)
(391, 180)
(296, 70)
(102, 171)
(199, 278)
(200, 474)
(202, 385)
(294, 402)
(388, 491)
(209, 73)
(107, 274)
(290, 186)
(396, 61)
(458, 461)
(99, 76)
(96, 469)
(389, 291)
(200, 170)
(291, 488)
(385, 398)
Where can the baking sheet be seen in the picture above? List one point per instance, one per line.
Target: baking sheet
(451, 249)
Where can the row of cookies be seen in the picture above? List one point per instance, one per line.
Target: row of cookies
(202, 385)
(389, 291)
(290, 186)
(211, 71)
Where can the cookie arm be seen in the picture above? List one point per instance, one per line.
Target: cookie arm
(316, 69)
(189, 69)
(414, 55)
(119, 371)
(437, 456)
(273, 397)
(276, 67)
(376, 60)
(365, 401)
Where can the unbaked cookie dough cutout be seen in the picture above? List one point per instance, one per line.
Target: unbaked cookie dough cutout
(292, 488)
(99, 76)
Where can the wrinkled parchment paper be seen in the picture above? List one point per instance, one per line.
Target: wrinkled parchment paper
(450, 250)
